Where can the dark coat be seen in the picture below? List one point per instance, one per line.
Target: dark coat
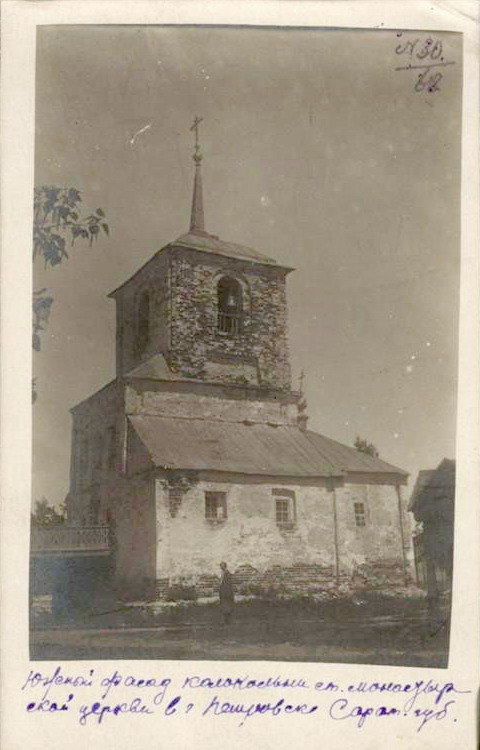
(225, 590)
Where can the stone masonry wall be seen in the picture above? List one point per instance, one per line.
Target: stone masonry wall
(154, 280)
(223, 407)
(257, 355)
(259, 553)
(182, 289)
(375, 553)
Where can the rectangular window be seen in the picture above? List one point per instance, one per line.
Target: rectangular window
(359, 509)
(284, 508)
(216, 506)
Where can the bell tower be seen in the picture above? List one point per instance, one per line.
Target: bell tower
(206, 310)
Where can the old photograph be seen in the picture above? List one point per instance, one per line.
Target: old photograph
(246, 273)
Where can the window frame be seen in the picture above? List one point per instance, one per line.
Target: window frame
(281, 496)
(360, 514)
(220, 500)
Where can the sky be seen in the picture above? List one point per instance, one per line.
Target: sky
(317, 152)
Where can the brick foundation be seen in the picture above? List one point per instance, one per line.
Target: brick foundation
(297, 579)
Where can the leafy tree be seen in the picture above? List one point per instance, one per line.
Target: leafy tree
(56, 221)
(47, 515)
(363, 446)
(41, 313)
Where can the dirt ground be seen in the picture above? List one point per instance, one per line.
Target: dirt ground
(367, 631)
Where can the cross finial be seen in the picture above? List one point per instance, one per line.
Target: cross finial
(197, 155)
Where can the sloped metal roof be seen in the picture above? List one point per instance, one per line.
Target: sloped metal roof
(155, 368)
(208, 243)
(263, 449)
(212, 244)
(350, 459)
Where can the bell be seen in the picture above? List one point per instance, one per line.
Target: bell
(231, 300)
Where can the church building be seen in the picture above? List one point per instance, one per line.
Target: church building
(198, 451)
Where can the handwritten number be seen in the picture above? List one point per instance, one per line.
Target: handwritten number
(425, 50)
(406, 47)
(430, 84)
(430, 48)
(433, 83)
(437, 50)
(428, 51)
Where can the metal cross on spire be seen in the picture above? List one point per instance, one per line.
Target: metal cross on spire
(197, 156)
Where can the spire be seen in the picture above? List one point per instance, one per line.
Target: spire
(197, 221)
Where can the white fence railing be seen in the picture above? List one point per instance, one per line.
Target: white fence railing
(68, 538)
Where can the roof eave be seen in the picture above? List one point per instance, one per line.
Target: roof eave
(379, 476)
(178, 244)
(81, 404)
(244, 259)
(115, 291)
(337, 478)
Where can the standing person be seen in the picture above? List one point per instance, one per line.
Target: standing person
(226, 594)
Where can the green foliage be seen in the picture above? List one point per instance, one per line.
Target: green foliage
(363, 446)
(41, 313)
(56, 219)
(47, 515)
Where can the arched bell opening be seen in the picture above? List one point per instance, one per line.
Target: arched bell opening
(230, 306)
